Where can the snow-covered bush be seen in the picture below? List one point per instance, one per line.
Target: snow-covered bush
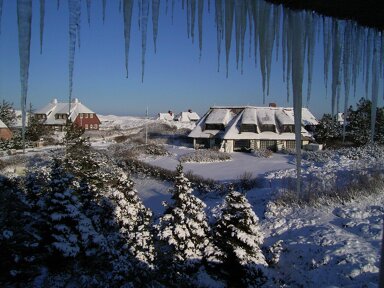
(205, 155)
(246, 181)
(262, 153)
(182, 231)
(238, 236)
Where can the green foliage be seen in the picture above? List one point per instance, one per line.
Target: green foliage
(7, 113)
(72, 132)
(35, 129)
(328, 130)
(359, 123)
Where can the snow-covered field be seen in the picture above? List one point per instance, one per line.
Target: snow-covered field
(336, 244)
(333, 245)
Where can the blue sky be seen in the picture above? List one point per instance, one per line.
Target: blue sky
(174, 78)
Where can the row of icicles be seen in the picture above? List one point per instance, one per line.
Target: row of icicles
(351, 52)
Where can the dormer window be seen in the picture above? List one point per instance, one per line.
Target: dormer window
(248, 128)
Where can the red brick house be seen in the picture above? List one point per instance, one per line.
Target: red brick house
(56, 114)
(5, 132)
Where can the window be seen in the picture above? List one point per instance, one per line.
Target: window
(86, 115)
(86, 126)
(288, 129)
(214, 127)
(290, 144)
(248, 128)
(268, 127)
(96, 126)
(90, 115)
(81, 115)
(268, 144)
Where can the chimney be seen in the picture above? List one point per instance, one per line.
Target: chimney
(170, 112)
(272, 105)
(190, 110)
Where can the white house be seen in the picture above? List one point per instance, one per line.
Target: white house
(169, 116)
(236, 128)
(188, 116)
(56, 114)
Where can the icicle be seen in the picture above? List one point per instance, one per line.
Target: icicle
(42, 16)
(284, 44)
(368, 60)
(355, 54)
(266, 41)
(58, 4)
(1, 12)
(144, 22)
(188, 18)
(297, 82)
(155, 20)
(24, 20)
(89, 11)
(219, 28)
(74, 25)
(104, 6)
(327, 49)
(311, 42)
(276, 25)
(243, 29)
(173, 10)
(238, 14)
(139, 17)
(200, 7)
(229, 9)
(347, 54)
(166, 7)
(209, 6)
(120, 6)
(127, 13)
(336, 63)
(193, 17)
(375, 85)
(240, 28)
(250, 25)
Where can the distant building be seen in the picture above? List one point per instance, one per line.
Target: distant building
(56, 114)
(5, 132)
(188, 116)
(169, 116)
(236, 128)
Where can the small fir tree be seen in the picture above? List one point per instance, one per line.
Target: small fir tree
(183, 229)
(238, 236)
(70, 232)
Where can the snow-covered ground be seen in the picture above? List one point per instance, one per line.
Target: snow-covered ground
(334, 245)
(327, 245)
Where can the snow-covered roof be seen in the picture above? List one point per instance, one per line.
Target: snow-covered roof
(249, 116)
(307, 117)
(218, 116)
(2, 125)
(166, 116)
(283, 118)
(266, 116)
(54, 107)
(188, 116)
